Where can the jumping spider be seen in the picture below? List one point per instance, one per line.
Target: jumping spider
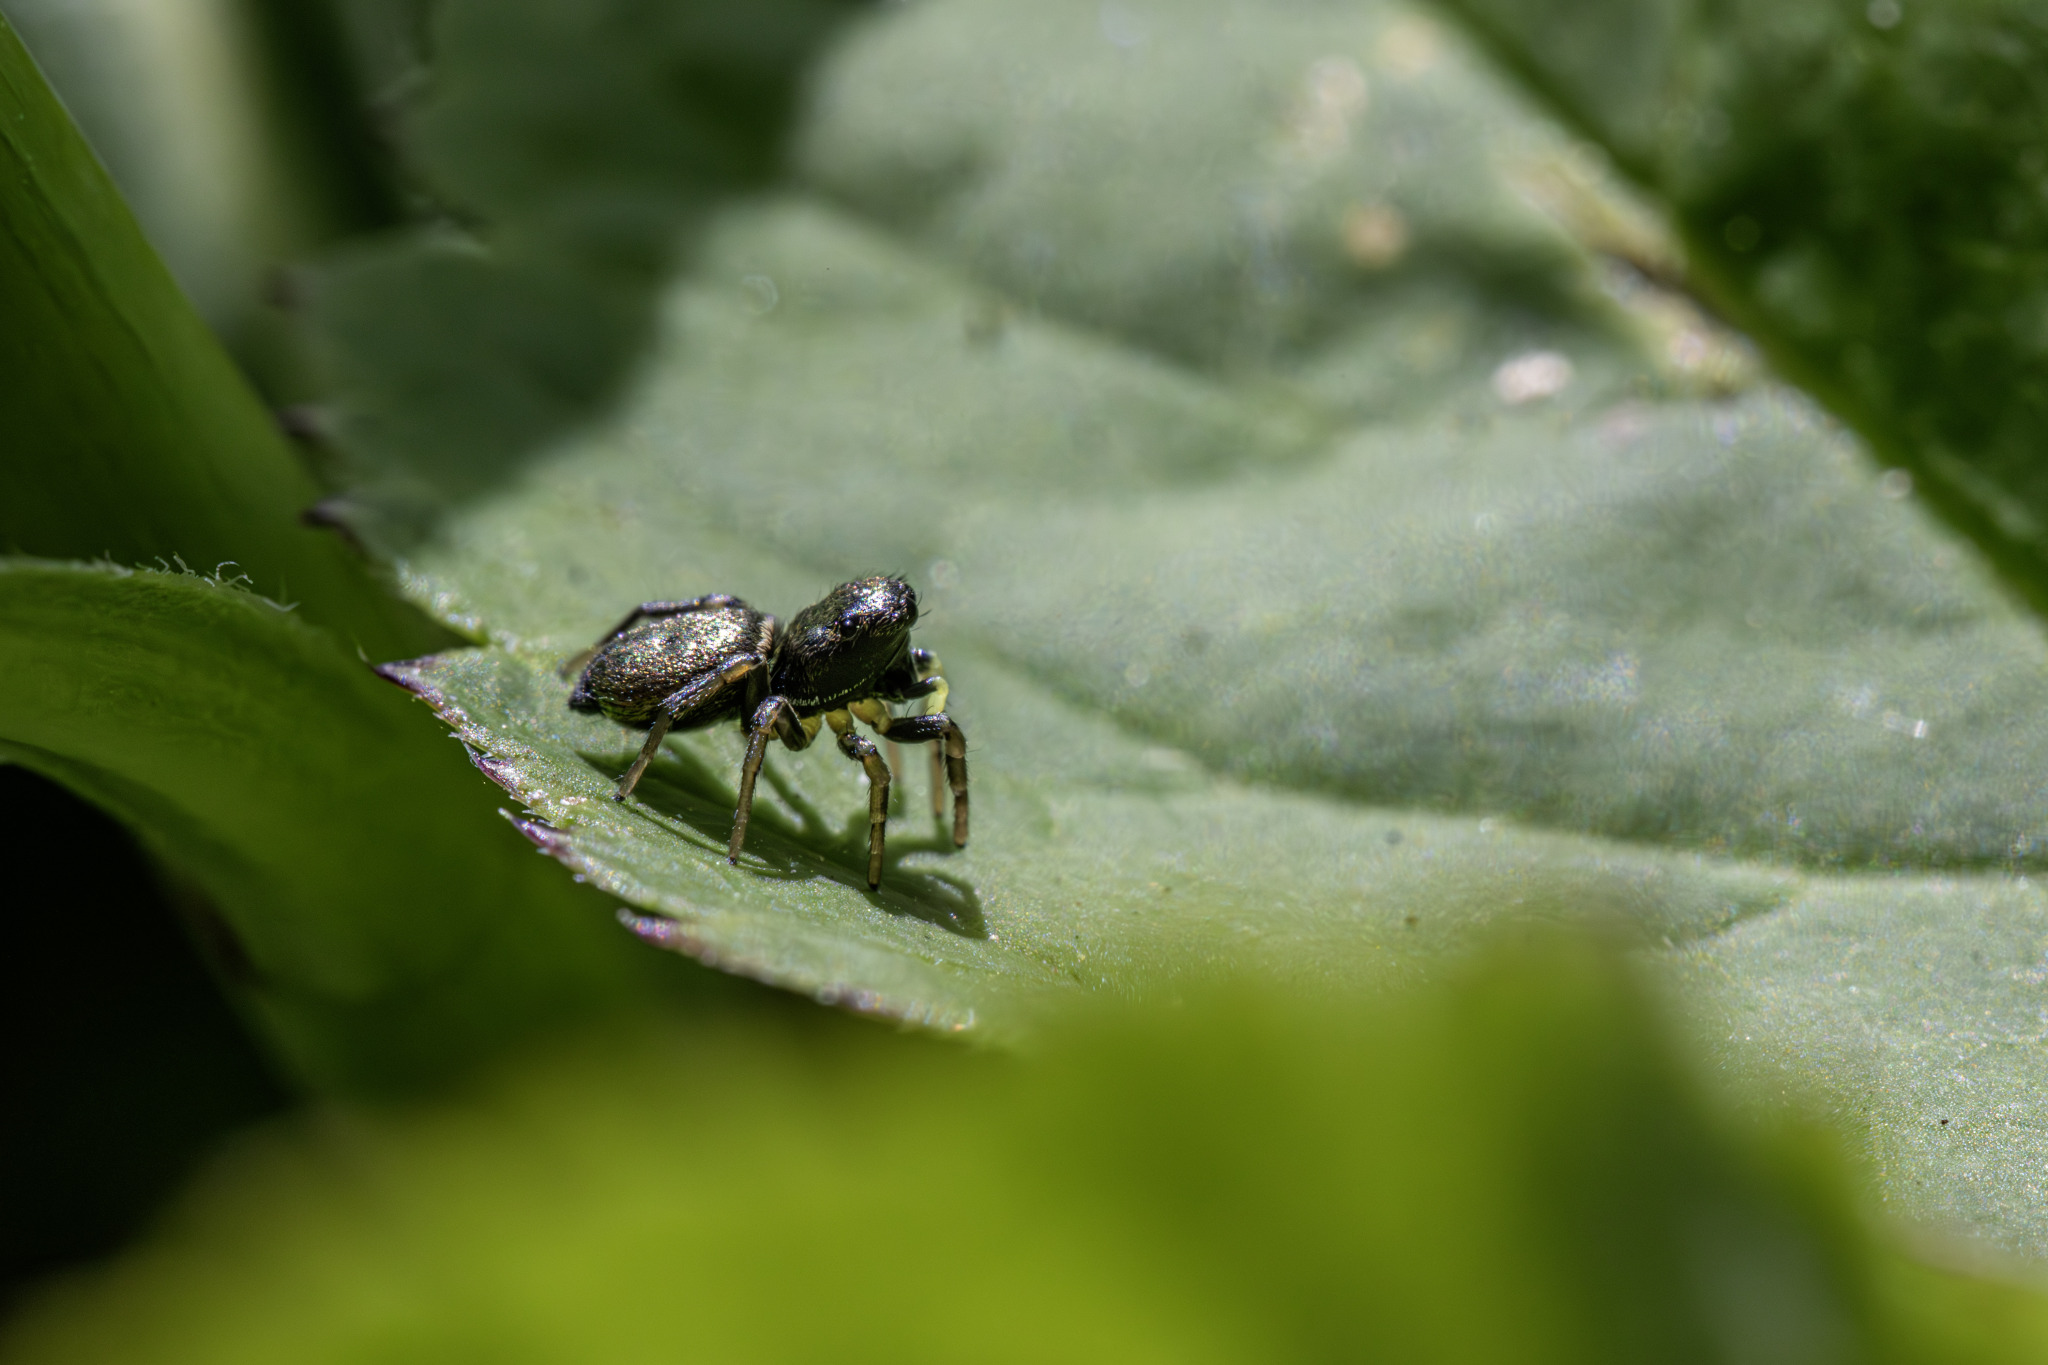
(686, 665)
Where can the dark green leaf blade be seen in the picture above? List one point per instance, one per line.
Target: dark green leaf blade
(130, 433)
(386, 927)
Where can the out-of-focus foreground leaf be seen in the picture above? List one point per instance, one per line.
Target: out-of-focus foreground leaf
(130, 435)
(372, 911)
(1267, 436)
(1860, 186)
(1508, 1170)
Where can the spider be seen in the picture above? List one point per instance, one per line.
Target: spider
(686, 665)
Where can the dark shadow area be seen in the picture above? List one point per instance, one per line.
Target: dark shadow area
(679, 786)
(567, 154)
(123, 1063)
(324, 83)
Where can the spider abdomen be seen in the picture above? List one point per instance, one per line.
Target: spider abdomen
(629, 677)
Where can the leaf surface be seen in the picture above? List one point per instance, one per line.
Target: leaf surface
(1856, 185)
(1279, 480)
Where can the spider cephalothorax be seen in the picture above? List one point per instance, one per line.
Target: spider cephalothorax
(686, 665)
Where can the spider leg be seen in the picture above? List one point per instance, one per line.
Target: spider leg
(862, 751)
(875, 713)
(656, 733)
(773, 718)
(949, 751)
(646, 611)
(675, 705)
(931, 685)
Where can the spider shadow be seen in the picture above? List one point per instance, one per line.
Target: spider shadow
(680, 786)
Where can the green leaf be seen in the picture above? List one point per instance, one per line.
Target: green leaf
(130, 434)
(1279, 481)
(1510, 1170)
(1858, 185)
(372, 911)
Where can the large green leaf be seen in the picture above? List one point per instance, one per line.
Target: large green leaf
(372, 911)
(1509, 1171)
(1295, 506)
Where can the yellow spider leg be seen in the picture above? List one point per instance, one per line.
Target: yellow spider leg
(935, 700)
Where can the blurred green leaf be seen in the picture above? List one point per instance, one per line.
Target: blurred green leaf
(1860, 186)
(172, 103)
(237, 134)
(1857, 185)
(372, 911)
(130, 434)
(1507, 1170)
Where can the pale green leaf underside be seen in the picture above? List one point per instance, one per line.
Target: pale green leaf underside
(1240, 565)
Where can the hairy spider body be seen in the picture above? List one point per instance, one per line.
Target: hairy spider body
(686, 665)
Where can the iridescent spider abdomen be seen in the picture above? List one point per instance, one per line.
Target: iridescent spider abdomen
(680, 665)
